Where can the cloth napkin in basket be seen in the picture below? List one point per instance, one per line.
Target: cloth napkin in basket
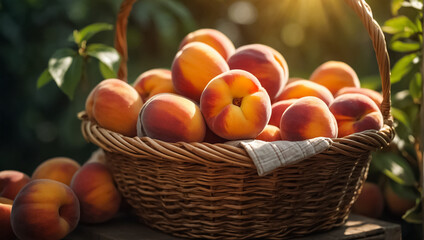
(267, 156)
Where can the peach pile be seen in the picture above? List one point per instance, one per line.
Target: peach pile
(215, 92)
(59, 195)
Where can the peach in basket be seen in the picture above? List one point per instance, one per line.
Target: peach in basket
(235, 105)
(171, 118)
(114, 105)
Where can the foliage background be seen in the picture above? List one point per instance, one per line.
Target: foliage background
(37, 124)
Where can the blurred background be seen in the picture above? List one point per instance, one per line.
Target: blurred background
(37, 124)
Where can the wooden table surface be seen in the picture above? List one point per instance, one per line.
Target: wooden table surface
(125, 227)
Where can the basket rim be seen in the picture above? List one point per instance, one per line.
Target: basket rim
(210, 153)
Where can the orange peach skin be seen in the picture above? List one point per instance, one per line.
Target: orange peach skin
(99, 198)
(153, 82)
(115, 106)
(356, 112)
(278, 109)
(194, 66)
(171, 118)
(269, 134)
(335, 75)
(60, 169)
(308, 117)
(11, 183)
(44, 209)
(304, 88)
(214, 38)
(265, 63)
(235, 106)
(374, 95)
(6, 231)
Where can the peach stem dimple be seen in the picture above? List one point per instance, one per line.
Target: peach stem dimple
(237, 101)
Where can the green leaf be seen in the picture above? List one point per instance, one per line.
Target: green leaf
(407, 192)
(371, 82)
(89, 31)
(181, 12)
(65, 66)
(395, 167)
(401, 117)
(419, 24)
(44, 78)
(415, 214)
(396, 5)
(401, 46)
(416, 86)
(106, 71)
(166, 26)
(403, 67)
(105, 54)
(398, 25)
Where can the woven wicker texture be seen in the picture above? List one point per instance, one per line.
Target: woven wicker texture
(213, 191)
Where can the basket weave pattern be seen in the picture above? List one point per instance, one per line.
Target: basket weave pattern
(213, 191)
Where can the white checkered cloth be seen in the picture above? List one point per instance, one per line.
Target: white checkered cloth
(267, 156)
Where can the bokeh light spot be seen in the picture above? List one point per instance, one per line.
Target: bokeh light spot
(242, 12)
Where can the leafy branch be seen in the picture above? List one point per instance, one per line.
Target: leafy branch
(66, 66)
(400, 165)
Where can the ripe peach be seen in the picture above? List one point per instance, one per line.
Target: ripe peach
(98, 197)
(6, 231)
(153, 82)
(304, 88)
(171, 118)
(265, 63)
(335, 75)
(115, 106)
(397, 205)
(44, 209)
(11, 183)
(374, 95)
(194, 66)
(61, 169)
(214, 38)
(269, 134)
(370, 201)
(308, 117)
(278, 109)
(235, 105)
(355, 113)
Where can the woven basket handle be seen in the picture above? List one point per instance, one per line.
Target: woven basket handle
(361, 8)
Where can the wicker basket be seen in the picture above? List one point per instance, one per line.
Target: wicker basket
(213, 191)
